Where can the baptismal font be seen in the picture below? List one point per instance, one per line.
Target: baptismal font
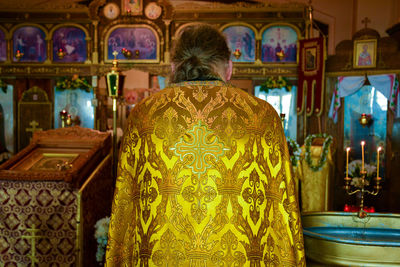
(362, 188)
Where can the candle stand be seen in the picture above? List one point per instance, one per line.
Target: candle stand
(63, 117)
(115, 84)
(362, 213)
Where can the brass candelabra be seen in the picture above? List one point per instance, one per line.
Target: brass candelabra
(362, 213)
(362, 188)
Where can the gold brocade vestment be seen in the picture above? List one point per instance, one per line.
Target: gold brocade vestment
(204, 180)
(315, 184)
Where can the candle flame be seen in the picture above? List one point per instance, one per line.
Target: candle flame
(379, 149)
(348, 149)
(363, 143)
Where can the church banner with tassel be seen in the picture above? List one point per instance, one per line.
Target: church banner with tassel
(311, 76)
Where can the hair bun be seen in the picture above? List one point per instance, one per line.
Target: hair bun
(199, 53)
(192, 69)
(192, 61)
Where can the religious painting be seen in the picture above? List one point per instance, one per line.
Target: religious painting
(77, 103)
(279, 44)
(311, 76)
(364, 53)
(52, 161)
(29, 45)
(310, 58)
(132, 7)
(6, 122)
(371, 102)
(69, 45)
(242, 42)
(133, 44)
(3, 46)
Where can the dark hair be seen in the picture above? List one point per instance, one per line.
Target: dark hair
(197, 52)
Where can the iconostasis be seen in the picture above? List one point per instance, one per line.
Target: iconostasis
(67, 56)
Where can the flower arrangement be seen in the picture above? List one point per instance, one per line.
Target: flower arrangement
(294, 151)
(307, 144)
(355, 173)
(101, 235)
(275, 82)
(75, 82)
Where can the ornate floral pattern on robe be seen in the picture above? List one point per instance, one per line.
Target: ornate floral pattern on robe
(204, 180)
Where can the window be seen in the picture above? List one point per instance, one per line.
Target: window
(283, 101)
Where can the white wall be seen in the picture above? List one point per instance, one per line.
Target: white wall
(345, 16)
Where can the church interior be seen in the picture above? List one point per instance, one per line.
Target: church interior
(72, 70)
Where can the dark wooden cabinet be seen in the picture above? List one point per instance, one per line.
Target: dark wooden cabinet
(60, 184)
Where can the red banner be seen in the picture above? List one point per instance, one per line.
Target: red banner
(311, 76)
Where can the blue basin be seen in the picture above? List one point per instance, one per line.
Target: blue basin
(343, 239)
(364, 236)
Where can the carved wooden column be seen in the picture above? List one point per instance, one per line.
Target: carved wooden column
(167, 37)
(49, 49)
(95, 54)
(10, 51)
(258, 51)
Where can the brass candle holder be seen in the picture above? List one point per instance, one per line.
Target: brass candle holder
(61, 53)
(281, 55)
(362, 188)
(237, 53)
(63, 117)
(127, 53)
(365, 120)
(19, 55)
(68, 121)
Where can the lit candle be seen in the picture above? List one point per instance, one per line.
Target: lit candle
(377, 163)
(362, 155)
(347, 161)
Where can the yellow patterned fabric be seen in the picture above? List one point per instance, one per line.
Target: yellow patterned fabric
(204, 180)
(315, 185)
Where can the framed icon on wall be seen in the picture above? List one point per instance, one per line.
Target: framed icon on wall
(132, 7)
(242, 42)
(364, 53)
(136, 43)
(69, 45)
(279, 44)
(111, 11)
(29, 45)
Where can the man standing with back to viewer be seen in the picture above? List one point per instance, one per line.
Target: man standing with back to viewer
(204, 173)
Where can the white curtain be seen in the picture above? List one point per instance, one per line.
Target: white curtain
(386, 84)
